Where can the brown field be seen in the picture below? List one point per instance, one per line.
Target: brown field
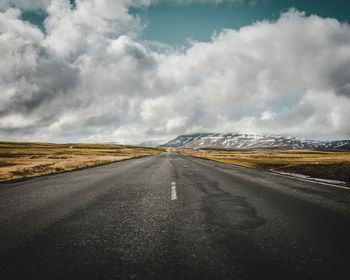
(21, 160)
(316, 164)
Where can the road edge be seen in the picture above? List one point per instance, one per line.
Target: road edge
(313, 180)
(13, 181)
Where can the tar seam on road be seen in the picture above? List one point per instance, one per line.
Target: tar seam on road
(173, 191)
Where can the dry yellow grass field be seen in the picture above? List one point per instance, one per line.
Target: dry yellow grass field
(316, 164)
(22, 160)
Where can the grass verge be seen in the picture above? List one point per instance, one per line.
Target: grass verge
(20, 160)
(316, 164)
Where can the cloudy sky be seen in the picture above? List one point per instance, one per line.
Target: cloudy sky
(133, 70)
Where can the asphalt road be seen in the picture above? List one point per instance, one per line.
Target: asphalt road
(171, 216)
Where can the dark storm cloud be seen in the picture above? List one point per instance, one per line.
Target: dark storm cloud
(339, 79)
(102, 120)
(50, 80)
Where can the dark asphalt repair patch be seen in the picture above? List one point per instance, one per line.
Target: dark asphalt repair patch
(232, 211)
(222, 208)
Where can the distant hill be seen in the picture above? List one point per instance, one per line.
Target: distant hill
(237, 141)
(151, 143)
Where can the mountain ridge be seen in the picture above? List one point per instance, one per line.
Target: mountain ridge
(241, 141)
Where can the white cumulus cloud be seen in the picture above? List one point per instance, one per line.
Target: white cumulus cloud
(90, 79)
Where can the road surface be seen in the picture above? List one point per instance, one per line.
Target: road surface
(171, 216)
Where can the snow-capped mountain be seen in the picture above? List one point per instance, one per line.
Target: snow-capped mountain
(237, 141)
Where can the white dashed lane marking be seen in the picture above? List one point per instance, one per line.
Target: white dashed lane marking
(173, 191)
